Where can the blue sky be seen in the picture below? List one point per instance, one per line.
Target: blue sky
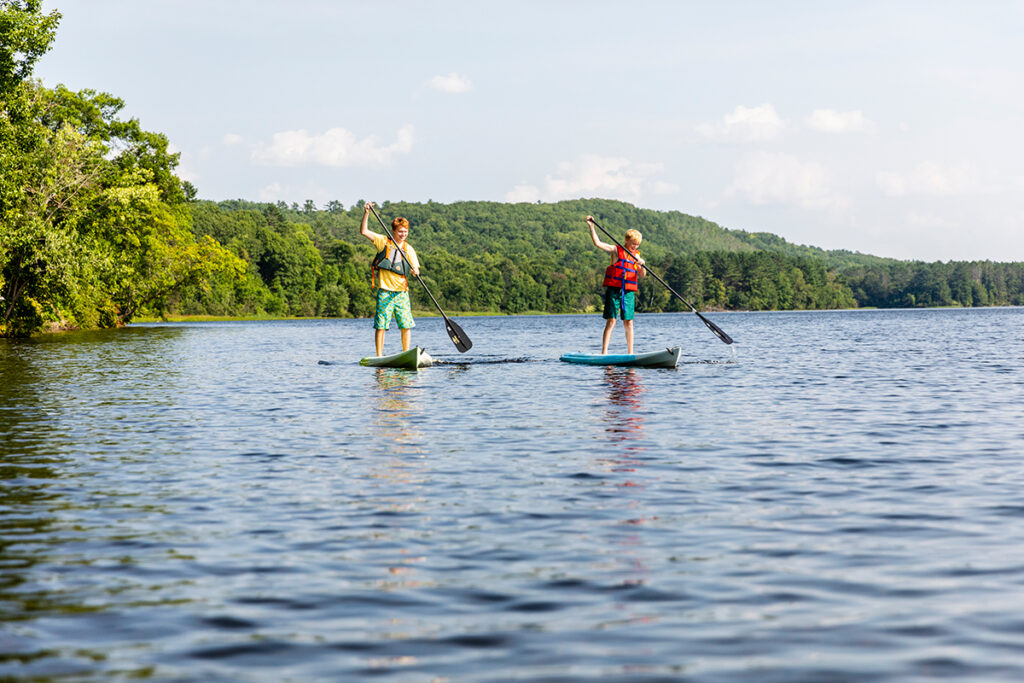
(890, 128)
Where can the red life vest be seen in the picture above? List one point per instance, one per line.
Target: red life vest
(623, 273)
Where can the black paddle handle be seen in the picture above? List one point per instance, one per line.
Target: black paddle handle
(719, 332)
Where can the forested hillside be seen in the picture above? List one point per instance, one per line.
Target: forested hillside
(513, 258)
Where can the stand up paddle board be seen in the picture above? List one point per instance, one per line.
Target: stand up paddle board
(413, 359)
(666, 358)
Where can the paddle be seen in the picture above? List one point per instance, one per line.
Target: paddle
(458, 337)
(719, 332)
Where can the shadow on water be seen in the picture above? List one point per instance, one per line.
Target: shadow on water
(30, 473)
(451, 359)
(33, 472)
(454, 360)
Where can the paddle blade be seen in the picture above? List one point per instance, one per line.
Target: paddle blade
(719, 332)
(458, 337)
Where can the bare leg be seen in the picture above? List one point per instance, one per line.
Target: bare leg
(378, 339)
(628, 327)
(609, 325)
(406, 336)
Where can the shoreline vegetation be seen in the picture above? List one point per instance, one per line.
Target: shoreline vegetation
(276, 262)
(97, 231)
(174, 318)
(201, 317)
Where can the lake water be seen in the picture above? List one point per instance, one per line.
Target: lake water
(838, 496)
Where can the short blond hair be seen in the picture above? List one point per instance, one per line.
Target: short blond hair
(635, 235)
(400, 223)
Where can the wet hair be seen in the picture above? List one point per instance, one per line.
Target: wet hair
(400, 223)
(632, 234)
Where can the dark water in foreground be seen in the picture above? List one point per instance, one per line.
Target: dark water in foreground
(841, 499)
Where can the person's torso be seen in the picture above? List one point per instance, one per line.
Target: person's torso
(391, 268)
(623, 272)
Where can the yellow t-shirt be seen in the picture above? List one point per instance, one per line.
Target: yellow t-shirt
(387, 279)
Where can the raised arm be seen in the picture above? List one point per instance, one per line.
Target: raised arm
(603, 246)
(363, 229)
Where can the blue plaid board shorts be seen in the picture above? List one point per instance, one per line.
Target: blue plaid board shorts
(393, 305)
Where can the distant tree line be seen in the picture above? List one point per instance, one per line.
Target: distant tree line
(482, 257)
(903, 284)
(515, 258)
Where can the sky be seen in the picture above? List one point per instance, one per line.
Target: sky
(891, 127)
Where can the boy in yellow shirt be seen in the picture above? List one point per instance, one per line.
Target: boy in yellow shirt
(390, 272)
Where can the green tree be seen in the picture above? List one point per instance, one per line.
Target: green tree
(93, 221)
(25, 35)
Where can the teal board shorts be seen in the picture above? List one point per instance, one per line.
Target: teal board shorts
(615, 305)
(393, 305)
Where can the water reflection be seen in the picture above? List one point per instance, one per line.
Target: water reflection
(28, 472)
(397, 410)
(624, 415)
(624, 419)
(399, 476)
(62, 474)
(624, 428)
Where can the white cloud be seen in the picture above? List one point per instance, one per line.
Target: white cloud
(765, 178)
(271, 193)
(927, 179)
(453, 83)
(523, 193)
(596, 176)
(184, 169)
(929, 220)
(335, 147)
(994, 84)
(832, 121)
(745, 124)
(231, 139)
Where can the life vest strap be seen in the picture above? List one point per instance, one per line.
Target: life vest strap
(395, 263)
(623, 273)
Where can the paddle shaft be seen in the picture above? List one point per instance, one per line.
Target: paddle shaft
(458, 337)
(400, 251)
(719, 332)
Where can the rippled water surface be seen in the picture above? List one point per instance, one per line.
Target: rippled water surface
(839, 496)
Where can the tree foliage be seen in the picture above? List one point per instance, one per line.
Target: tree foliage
(516, 258)
(94, 225)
